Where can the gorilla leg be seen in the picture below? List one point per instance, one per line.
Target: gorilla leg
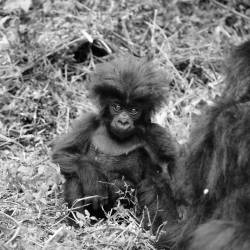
(73, 192)
(95, 187)
(156, 196)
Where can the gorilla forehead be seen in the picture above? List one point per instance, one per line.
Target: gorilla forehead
(131, 80)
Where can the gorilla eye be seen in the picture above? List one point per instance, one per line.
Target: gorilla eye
(133, 111)
(116, 107)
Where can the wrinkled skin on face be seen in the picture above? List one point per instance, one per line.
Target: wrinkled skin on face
(123, 120)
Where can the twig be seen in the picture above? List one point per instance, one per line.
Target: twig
(17, 227)
(59, 48)
(230, 9)
(13, 237)
(57, 232)
(9, 217)
(126, 34)
(9, 140)
(153, 28)
(123, 39)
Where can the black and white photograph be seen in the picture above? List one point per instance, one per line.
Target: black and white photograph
(124, 125)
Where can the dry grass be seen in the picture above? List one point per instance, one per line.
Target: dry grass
(42, 89)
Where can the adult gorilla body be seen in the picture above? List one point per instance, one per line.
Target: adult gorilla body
(213, 180)
(120, 147)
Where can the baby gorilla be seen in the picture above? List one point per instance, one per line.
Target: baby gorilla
(120, 148)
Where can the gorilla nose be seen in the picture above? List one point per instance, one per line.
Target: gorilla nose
(123, 123)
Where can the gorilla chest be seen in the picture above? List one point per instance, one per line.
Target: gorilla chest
(130, 165)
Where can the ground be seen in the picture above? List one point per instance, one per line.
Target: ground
(43, 89)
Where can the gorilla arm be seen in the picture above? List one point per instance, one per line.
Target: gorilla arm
(83, 175)
(155, 193)
(69, 148)
(161, 147)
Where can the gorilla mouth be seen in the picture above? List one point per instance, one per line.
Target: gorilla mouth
(122, 133)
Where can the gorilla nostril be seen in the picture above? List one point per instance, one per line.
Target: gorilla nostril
(123, 123)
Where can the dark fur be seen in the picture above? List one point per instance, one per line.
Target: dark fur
(155, 194)
(218, 161)
(131, 81)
